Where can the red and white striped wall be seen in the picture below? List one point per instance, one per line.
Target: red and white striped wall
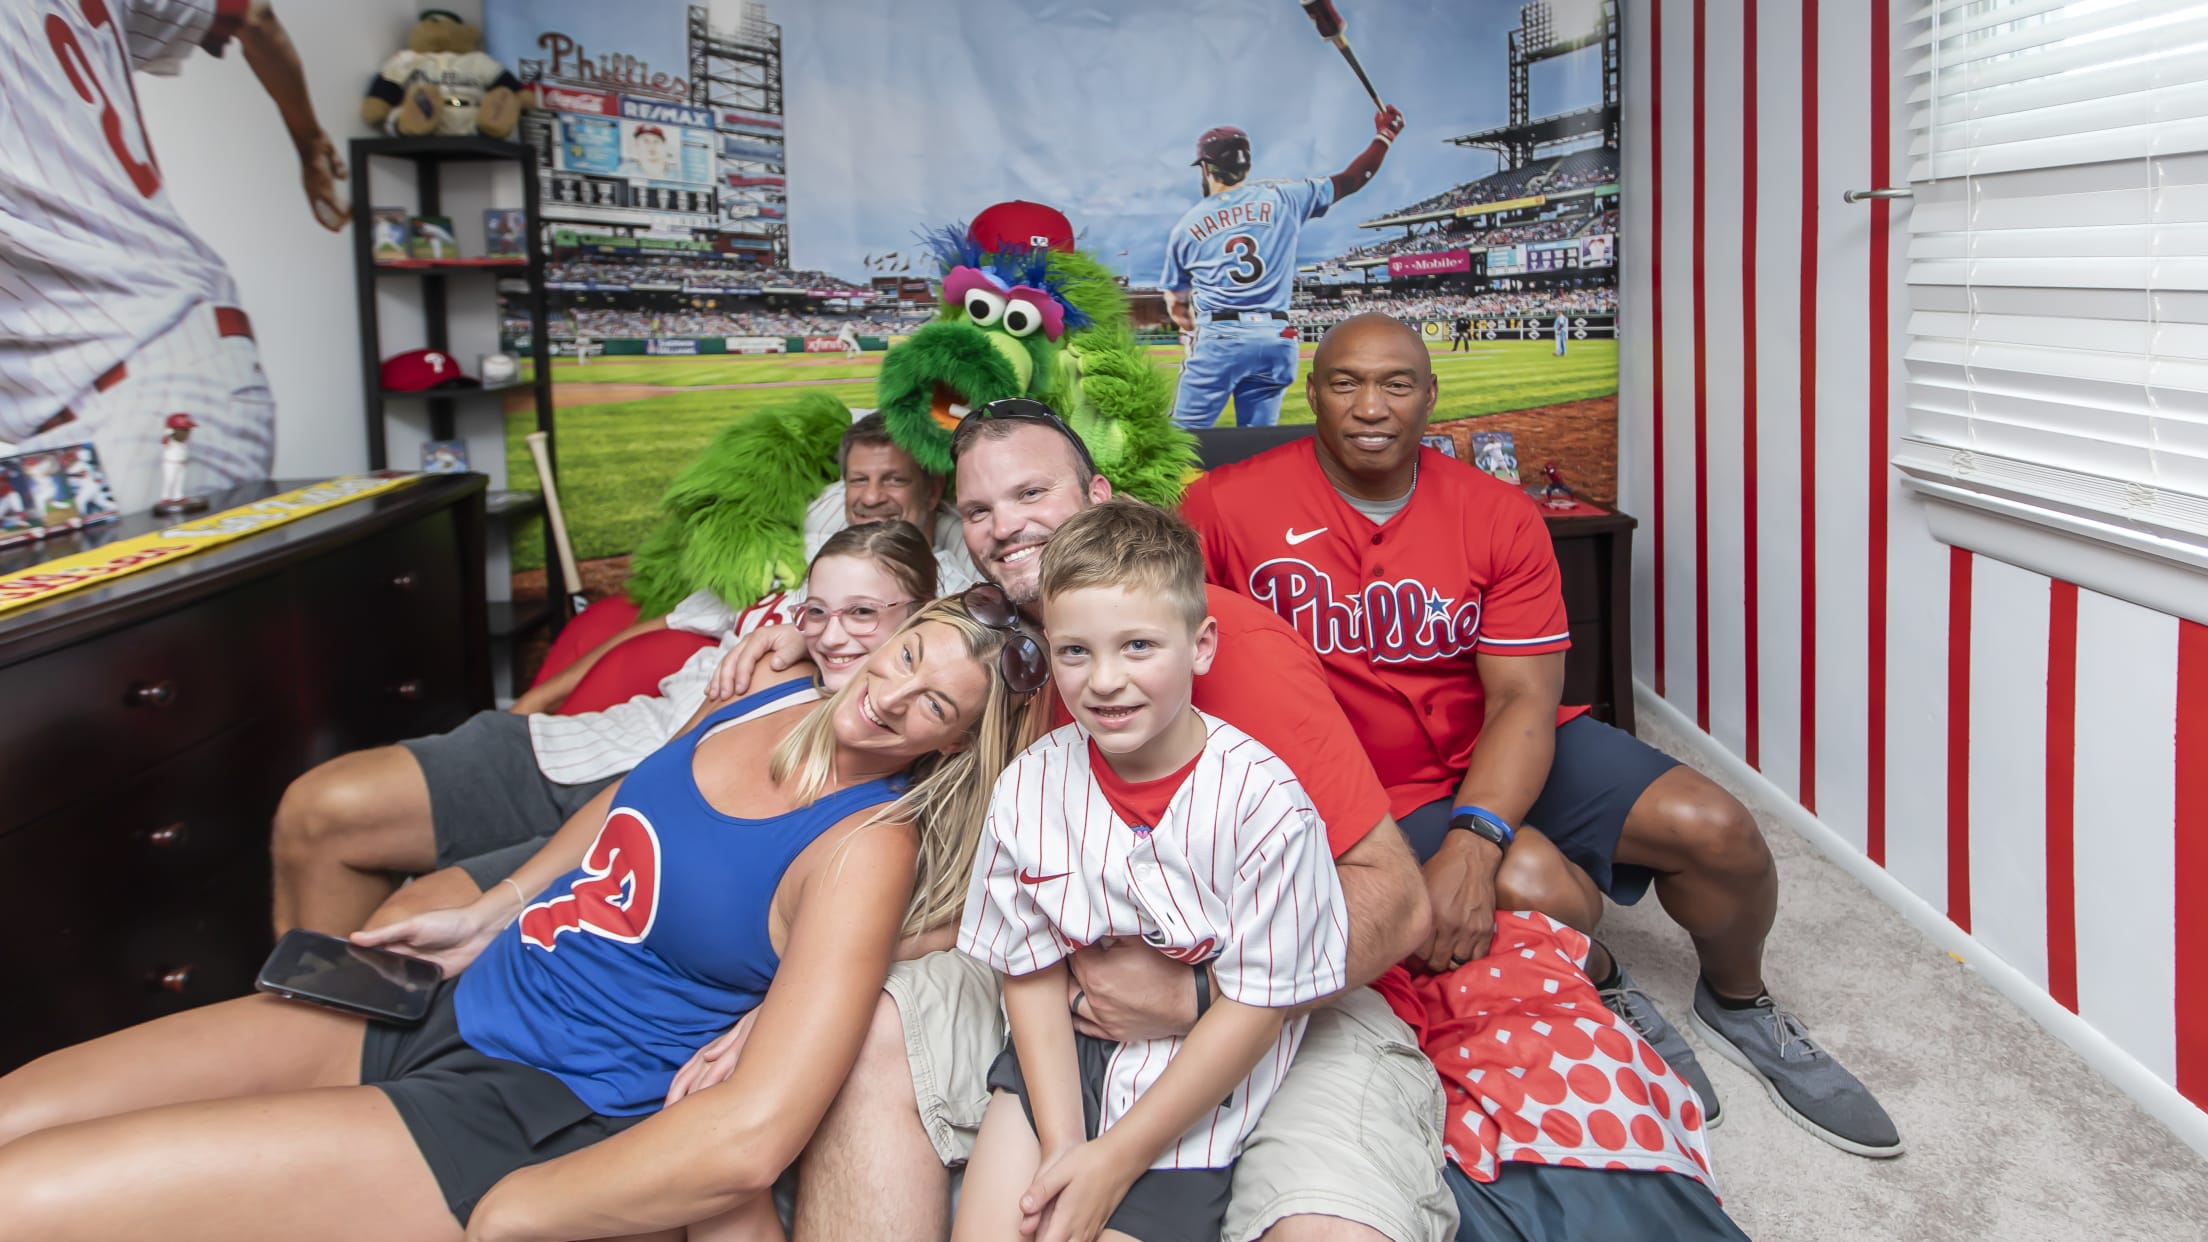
(2019, 764)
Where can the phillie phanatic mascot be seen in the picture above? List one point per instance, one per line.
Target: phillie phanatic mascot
(1024, 314)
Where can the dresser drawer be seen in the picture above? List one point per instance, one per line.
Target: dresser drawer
(113, 705)
(382, 629)
(170, 829)
(206, 945)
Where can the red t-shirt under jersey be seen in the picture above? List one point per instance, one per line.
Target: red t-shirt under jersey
(1267, 682)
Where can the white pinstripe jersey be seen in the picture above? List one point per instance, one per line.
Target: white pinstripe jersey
(1238, 874)
(94, 259)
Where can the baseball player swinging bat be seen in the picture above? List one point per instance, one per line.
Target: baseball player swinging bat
(541, 452)
(1331, 28)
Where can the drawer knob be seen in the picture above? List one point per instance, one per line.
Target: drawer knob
(411, 689)
(404, 580)
(158, 694)
(173, 979)
(168, 836)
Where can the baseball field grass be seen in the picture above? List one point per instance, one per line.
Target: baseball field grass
(626, 426)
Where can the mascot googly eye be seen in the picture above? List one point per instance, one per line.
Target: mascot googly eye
(1022, 317)
(983, 307)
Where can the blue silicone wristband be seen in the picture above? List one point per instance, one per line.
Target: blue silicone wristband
(1490, 818)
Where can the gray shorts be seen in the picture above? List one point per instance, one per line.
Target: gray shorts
(1353, 1132)
(490, 806)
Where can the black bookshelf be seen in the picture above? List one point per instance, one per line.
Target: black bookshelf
(437, 280)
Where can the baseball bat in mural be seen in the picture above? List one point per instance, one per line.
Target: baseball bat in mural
(1333, 29)
(542, 453)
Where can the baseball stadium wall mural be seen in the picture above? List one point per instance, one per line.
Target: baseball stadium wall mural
(747, 204)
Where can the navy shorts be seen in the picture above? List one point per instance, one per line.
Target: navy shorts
(1598, 774)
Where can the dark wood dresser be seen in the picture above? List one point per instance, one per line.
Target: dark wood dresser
(148, 727)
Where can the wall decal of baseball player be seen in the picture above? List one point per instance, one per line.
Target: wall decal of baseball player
(115, 313)
(14, 514)
(176, 468)
(1230, 265)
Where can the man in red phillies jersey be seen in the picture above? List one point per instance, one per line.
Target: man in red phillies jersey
(114, 314)
(1430, 592)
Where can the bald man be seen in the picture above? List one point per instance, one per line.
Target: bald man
(1431, 593)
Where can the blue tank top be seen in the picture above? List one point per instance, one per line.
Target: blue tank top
(621, 969)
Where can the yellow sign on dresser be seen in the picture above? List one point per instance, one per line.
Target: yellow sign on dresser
(106, 563)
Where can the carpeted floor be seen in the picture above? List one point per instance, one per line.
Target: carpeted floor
(2010, 1135)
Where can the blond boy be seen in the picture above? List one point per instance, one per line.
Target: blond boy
(1145, 822)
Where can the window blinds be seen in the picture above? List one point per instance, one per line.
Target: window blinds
(2058, 263)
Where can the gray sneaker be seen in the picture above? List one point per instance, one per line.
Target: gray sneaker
(1806, 1082)
(1628, 1001)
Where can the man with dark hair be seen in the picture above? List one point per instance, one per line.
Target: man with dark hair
(1233, 256)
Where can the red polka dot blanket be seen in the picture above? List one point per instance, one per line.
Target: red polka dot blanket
(1536, 1068)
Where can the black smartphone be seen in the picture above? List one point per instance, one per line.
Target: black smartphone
(331, 970)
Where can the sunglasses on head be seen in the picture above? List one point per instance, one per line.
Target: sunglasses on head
(1022, 660)
(1017, 410)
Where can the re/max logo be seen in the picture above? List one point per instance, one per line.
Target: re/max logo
(635, 109)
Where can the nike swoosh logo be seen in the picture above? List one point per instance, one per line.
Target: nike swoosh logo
(1028, 878)
(1295, 537)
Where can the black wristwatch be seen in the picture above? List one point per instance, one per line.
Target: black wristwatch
(1484, 825)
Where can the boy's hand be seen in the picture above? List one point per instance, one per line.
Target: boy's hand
(1072, 1196)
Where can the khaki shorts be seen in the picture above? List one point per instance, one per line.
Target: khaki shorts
(1353, 1132)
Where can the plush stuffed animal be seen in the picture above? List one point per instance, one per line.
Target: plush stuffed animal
(1024, 313)
(443, 84)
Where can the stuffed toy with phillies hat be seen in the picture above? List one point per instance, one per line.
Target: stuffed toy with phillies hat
(443, 83)
(1024, 312)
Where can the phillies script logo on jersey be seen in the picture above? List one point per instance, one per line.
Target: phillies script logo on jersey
(618, 895)
(1398, 622)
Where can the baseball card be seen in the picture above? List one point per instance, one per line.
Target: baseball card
(1496, 453)
(444, 457)
(432, 237)
(505, 233)
(47, 493)
(389, 233)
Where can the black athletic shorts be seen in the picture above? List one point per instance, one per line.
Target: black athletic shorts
(475, 1118)
(1537, 1203)
(1598, 774)
(490, 806)
(1164, 1205)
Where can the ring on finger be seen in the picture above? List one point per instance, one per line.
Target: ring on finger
(1078, 996)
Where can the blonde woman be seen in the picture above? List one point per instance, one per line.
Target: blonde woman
(768, 858)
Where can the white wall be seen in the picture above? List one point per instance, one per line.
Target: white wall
(231, 169)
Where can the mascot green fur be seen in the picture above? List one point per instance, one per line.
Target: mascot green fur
(1032, 318)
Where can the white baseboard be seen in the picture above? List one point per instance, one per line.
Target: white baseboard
(2158, 1098)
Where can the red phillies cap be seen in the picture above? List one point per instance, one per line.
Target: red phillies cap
(1022, 224)
(419, 370)
(654, 130)
(181, 422)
